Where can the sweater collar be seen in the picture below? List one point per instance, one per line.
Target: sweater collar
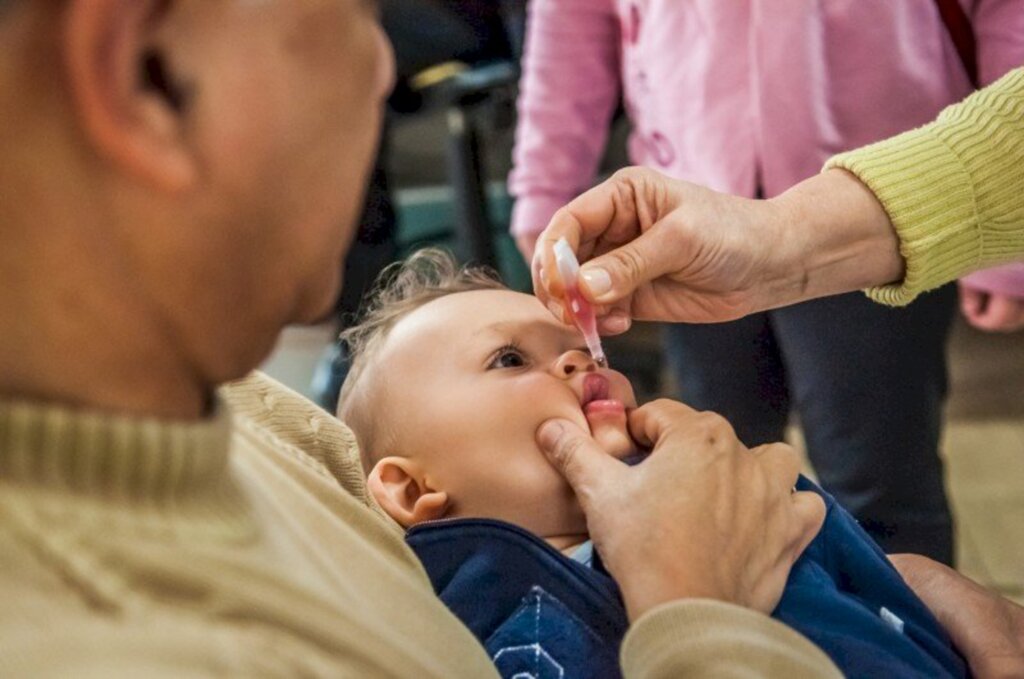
(157, 464)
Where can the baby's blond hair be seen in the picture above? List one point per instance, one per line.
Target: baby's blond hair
(402, 288)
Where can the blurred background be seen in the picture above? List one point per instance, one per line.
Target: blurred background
(441, 180)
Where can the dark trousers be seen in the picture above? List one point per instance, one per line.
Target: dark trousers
(868, 383)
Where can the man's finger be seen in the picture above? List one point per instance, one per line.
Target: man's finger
(781, 462)
(577, 457)
(648, 423)
(809, 512)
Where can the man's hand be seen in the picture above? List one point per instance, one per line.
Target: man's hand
(702, 517)
(656, 248)
(991, 311)
(988, 629)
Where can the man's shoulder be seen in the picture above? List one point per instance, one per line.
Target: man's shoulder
(293, 427)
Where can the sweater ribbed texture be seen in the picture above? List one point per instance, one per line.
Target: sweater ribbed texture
(170, 477)
(954, 189)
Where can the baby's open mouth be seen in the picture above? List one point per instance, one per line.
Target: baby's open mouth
(596, 401)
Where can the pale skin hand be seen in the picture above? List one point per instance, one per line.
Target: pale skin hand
(702, 517)
(991, 311)
(673, 251)
(988, 629)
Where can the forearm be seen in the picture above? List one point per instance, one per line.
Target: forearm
(831, 235)
(954, 190)
(703, 638)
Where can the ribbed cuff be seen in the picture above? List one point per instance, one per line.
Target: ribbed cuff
(701, 637)
(927, 193)
(953, 189)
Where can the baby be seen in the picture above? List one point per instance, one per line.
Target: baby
(452, 374)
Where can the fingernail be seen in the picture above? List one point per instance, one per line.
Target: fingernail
(598, 281)
(544, 278)
(549, 433)
(556, 309)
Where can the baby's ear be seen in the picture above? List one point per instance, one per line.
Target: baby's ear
(398, 486)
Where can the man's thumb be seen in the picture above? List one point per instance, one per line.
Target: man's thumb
(616, 274)
(577, 456)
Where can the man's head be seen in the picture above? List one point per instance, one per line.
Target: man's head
(184, 174)
(452, 376)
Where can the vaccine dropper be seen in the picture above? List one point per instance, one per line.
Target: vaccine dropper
(580, 310)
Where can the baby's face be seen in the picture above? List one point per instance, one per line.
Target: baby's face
(469, 378)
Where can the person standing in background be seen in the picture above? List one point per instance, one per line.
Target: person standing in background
(751, 98)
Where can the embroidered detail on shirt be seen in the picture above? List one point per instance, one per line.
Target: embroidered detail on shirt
(544, 666)
(544, 639)
(891, 619)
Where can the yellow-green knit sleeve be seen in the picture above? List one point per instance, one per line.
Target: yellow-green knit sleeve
(954, 189)
(704, 638)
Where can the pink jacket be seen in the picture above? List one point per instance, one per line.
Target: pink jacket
(734, 94)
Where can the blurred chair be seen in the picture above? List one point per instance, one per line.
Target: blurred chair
(455, 56)
(472, 99)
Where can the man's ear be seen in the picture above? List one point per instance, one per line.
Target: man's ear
(129, 101)
(400, 489)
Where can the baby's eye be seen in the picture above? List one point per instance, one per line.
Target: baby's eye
(508, 358)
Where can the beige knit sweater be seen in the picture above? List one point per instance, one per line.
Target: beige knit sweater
(247, 546)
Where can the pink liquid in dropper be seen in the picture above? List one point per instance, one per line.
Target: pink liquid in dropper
(580, 310)
(582, 313)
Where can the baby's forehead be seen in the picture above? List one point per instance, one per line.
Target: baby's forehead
(465, 318)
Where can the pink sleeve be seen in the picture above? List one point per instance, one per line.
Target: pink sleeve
(1003, 280)
(568, 92)
(999, 29)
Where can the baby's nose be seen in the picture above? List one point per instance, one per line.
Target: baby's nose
(572, 362)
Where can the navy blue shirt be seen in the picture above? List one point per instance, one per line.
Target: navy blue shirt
(540, 613)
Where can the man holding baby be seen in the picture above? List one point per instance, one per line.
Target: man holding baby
(178, 180)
